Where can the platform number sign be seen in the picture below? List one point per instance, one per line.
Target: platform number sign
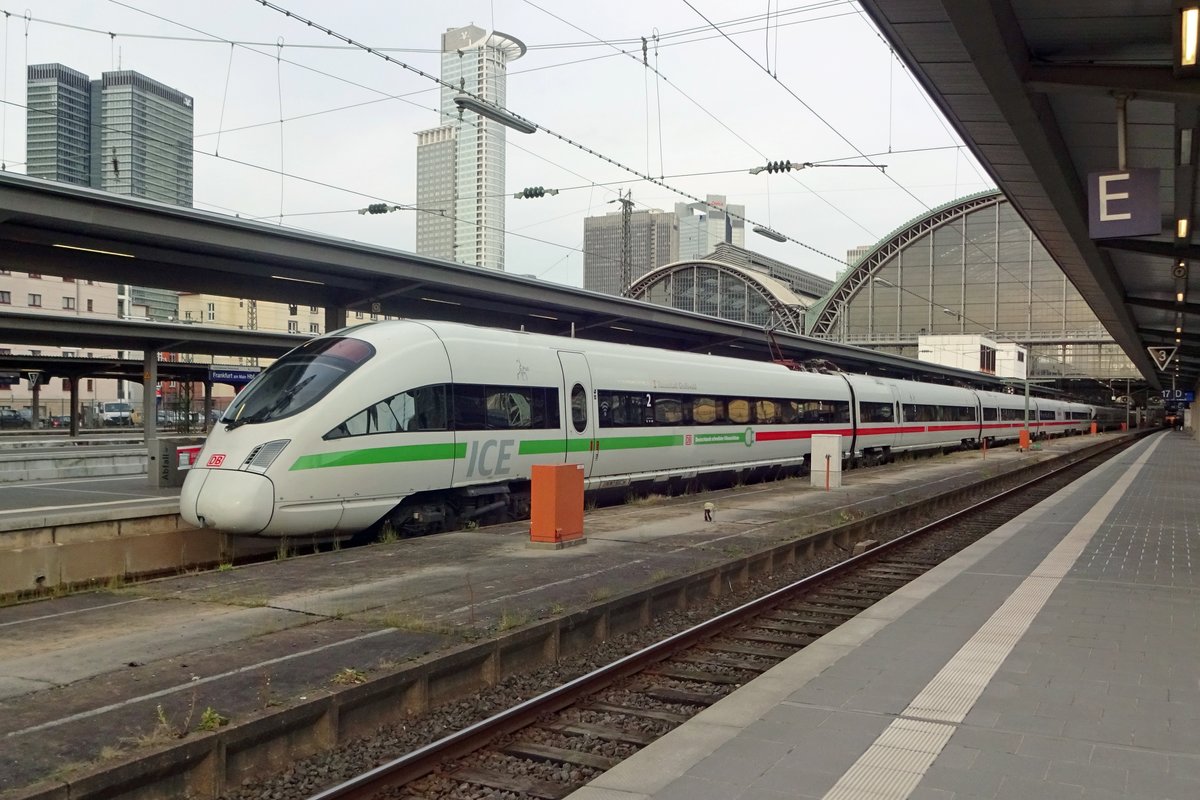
(1162, 355)
(1178, 395)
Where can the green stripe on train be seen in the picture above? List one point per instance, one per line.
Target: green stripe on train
(382, 455)
(538, 447)
(439, 452)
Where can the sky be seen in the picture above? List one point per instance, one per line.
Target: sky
(298, 129)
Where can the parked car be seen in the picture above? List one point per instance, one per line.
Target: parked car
(11, 418)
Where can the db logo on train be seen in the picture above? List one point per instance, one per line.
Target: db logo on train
(216, 460)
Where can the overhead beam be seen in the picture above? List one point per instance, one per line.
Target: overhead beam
(1191, 309)
(1151, 247)
(1147, 82)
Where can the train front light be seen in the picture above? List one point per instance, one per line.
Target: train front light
(262, 456)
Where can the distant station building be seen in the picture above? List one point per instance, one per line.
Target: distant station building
(970, 268)
(736, 284)
(461, 163)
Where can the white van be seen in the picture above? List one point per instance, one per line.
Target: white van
(117, 413)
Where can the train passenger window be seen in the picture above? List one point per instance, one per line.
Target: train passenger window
(578, 408)
(875, 412)
(738, 410)
(989, 414)
(668, 410)
(469, 408)
(824, 412)
(789, 412)
(509, 408)
(707, 410)
(766, 412)
(1046, 414)
(421, 409)
(373, 419)
(914, 412)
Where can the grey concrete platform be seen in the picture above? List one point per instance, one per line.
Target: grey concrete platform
(1059, 657)
(266, 638)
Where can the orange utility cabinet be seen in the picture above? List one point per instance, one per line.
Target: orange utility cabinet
(556, 510)
(1093, 429)
(1023, 441)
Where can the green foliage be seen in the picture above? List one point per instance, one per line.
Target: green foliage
(210, 720)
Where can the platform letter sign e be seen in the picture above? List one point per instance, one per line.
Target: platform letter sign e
(1123, 203)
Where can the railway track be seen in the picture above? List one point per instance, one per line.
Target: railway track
(552, 744)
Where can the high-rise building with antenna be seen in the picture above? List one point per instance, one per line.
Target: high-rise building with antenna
(460, 163)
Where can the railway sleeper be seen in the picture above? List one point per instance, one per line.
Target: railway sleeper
(884, 586)
(641, 713)
(519, 784)
(794, 642)
(714, 660)
(856, 593)
(842, 601)
(599, 732)
(822, 610)
(745, 650)
(696, 675)
(682, 696)
(791, 626)
(801, 621)
(558, 755)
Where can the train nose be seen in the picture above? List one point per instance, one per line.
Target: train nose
(231, 501)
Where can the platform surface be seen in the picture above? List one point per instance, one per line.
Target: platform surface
(1058, 657)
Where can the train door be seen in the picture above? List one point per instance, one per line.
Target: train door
(580, 417)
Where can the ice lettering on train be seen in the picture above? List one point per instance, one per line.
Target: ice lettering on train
(495, 452)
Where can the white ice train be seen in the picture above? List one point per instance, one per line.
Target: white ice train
(432, 424)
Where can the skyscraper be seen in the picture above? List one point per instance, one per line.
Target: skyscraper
(123, 133)
(460, 163)
(702, 226)
(653, 241)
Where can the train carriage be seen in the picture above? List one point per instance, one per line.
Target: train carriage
(431, 425)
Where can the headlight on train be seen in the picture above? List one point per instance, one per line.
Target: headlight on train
(261, 457)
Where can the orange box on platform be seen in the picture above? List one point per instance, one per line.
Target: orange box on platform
(556, 512)
(1023, 440)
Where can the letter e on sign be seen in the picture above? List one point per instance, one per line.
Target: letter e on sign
(216, 460)
(1123, 203)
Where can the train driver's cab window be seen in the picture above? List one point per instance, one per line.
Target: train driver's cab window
(299, 379)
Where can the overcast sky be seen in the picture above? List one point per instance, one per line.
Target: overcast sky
(347, 140)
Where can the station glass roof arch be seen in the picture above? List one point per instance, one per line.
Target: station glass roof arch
(971, 266)
(727, 291)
